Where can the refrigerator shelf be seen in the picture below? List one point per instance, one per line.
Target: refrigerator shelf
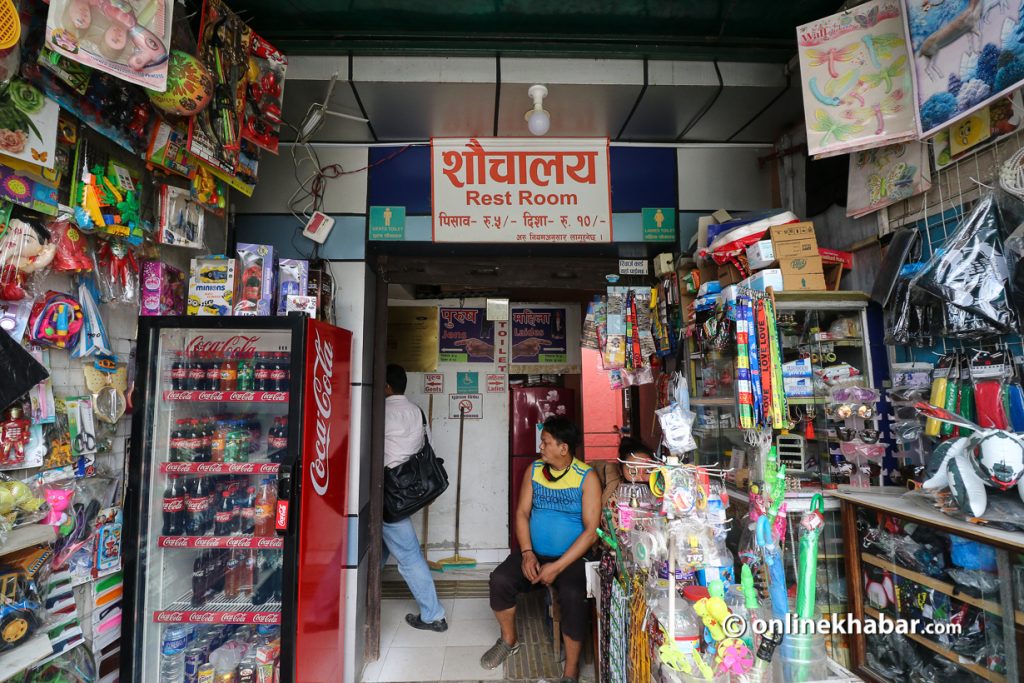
(194, 396)
(219, 467)
(225, 542)
(221, 610)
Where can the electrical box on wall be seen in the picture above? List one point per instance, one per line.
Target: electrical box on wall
(318, 227)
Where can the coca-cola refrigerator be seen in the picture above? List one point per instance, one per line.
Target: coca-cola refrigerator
(528, 408)
(236, 532)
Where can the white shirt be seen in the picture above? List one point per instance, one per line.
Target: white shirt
(403, 430)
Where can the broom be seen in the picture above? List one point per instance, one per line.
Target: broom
(434, 566)
(457, 561)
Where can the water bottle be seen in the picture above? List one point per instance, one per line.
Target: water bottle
(172, 654)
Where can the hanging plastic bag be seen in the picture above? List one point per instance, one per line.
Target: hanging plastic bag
(117, 273)
(93, 340)
(70, 256)
(25, 248)
(971, 270)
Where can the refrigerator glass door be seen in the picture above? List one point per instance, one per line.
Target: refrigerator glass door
(216, 430)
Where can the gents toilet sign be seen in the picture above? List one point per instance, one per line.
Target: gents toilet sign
(521, 190)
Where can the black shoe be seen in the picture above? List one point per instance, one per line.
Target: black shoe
(414, 620)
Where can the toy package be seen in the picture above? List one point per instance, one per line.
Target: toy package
(264, 95)
(28, 123)
(292, 280)
(163, 289)
(168, 148)
(105, 195)
(126, 40)
(256, 291)
(211, 286)
(182, 219)
(215, 132)
(23, 575)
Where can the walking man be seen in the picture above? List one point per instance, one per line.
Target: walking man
(405, 429)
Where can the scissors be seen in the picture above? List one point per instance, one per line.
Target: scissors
(85, 442)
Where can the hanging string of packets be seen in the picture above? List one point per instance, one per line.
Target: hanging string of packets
(760, 391)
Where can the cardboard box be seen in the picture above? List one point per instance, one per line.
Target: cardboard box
(162, 289)
(760, 255)
(798, 387)
(800, 367)
(211, 286)
(833, 273)
(729, 275)
(844, 258)
(763, 279)
(292, 280)
(256, 291)
(796, 249)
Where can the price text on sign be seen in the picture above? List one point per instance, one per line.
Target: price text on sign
(521, 190)
(472, 405)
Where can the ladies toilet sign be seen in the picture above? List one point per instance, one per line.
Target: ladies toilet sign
(521, 190)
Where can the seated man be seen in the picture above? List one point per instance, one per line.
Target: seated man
(556, 524)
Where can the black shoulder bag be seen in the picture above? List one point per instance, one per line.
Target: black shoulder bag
(415, 483)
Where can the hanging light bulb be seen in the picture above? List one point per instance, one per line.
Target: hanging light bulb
(537, 119)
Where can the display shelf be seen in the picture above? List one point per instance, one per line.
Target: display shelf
(26, 537)
(194, 396)
(221, 610)
(237, 542)
(807, 401)
(941, 586)
(796, 501)
(13, 662)
(939, 650)
(219, 467)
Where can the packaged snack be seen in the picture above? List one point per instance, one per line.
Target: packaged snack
(256, 288)
(211, 286)
(163, 289)
(292, 280)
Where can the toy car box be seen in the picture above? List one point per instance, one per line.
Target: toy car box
(256, 282)
(211, 286)
(292, 280)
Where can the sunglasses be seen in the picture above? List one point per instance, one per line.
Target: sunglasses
(905, 412)
(866, 435)
(848, 410)
(907, 431)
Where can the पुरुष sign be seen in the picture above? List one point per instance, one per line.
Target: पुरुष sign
(433, 383)
(521, 190)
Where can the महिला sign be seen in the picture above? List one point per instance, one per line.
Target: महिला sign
(521, 190)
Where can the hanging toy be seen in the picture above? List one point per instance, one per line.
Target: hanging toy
(118, 272)
(70, 256)
(14, 436)
(56, 320)
(189, 86)
(25, 248)
(713, 611)
(93, 340)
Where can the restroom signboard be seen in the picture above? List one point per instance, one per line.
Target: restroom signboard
(528, 190)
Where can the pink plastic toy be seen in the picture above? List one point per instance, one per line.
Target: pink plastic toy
(59, 501)
(149, 49)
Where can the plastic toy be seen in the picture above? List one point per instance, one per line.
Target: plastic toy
(776, 570)
(713, 611)
(991, 458)
(24, 249)
(189, 86)
(17, 609)
(807, 560)
(70, 244)
(59, 500)
(103, 204)
(734, 657)
(56, 320)
(14, 436)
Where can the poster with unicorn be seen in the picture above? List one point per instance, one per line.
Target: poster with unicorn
(855, 73)
(966, 55)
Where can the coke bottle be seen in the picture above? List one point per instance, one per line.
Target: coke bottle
(277, 437)
(223, 520)
(174, 445)
(246, 571)
(217, 443)
(189, 444)
(218, 562)
(245, 374)
(174, 507)
(199, 584)
(196, 373)
(231, 576)
(212, 372)
(286, 365)
(277, 373)
(266, 498)
(179, 372)
(261, 373)
(249, 511)
(229, 374)
(197, 508)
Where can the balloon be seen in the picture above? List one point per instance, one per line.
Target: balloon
(189, 86)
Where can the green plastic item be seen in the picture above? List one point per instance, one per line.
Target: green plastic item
(749, 592)
(807, 564)
(967, 407)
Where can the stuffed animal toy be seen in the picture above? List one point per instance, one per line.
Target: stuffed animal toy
(59, 500)
(24, 249)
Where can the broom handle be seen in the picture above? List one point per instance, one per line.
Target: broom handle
(426, 510)
(458, 480)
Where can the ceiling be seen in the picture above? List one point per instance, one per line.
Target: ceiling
(629, 100)
(729, 30)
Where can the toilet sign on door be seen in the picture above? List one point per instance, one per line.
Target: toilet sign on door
(471, 404)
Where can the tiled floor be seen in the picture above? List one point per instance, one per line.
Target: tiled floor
(408, 654)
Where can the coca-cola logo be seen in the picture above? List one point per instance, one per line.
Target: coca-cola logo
(209, 396)
(209, 467)
(207, 542)
(173, 467)
(174, 542)
(269, 543)
(242, 396)
(240, 468)
(198, 504)
(265, 618)
(241, 344)
(233, 617)
(323, 370)
(202, 617)
(174, 504)
(170, 617)
(239, 542)
(222, 517)
(275, 396)
(178, 395)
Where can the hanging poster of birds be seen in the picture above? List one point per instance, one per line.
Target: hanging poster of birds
(882, 176)
(855, 73)
(966, 54)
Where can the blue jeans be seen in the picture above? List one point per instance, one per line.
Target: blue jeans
(400, 540)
